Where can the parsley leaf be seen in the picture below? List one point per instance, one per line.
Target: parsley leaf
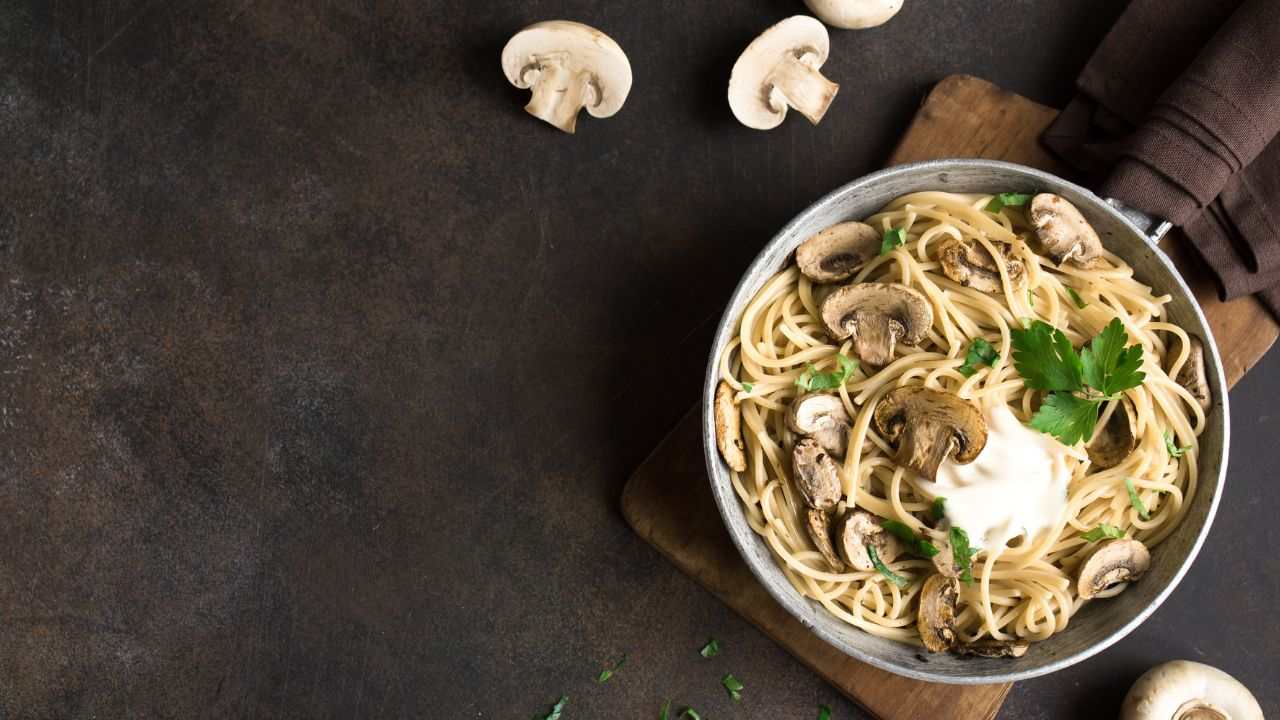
(1109, 366)
(939, 509)
(1075, 298)
(1031, 298)
(962, 554)
(894, 238)
(1045, 359)
(733, 685)
(1173, 449)
(607, 673)
(711, 649)
(1103, 531)
(748, 386)
(557, 709)
(1009, 199)
(666, 711)
(1066, 417)
(824, 712)
(811, 379)
(691, 714)
(915, 545)
(980, 353)
(1136, 501)
(884, 570)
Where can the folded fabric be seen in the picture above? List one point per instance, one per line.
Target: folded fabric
(1178, 116)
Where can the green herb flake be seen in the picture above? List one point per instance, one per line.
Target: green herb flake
(962, 554)
(711, 649)
(811, 380)
(607, 673)
(665, 714)
(895, 238)
(557, 710)
(733, 685)
(824, 712)
(884, 570)
(1004, 200)
(691, 714)
(1103, 531)
(1075, 298)
(915, 544)
(980, 352)
(939, 508)
(1136, 501)
(1172, 448)
(748, 386)
(1031, 298)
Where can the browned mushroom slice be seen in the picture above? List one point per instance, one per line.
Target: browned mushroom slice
(1116, 439)
(818, 523)
(1064, 234)
(858, 529)
(729, 428)
(969, 264)
(928, 426)
(936, 616)
(838, 252)
(992, 648)
(945, 562)
(1114, 561)
(822, 417)
(1192, 376)
(816, 475)
(877, 316)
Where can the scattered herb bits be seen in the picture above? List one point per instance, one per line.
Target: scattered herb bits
(711, 649)
(691, 714)
(1010, 199)
(811, 380)
(962, 554)
(1172, 447)
(1136, 501)
(939, 508)
(915, 544)
(665, 713)
(894, 238)
(607, 673)
(1075, 298)
(1103, 531)
(748, 386)
(557, 710)
(884, 570)
(980, 352)
(733, 685)
(824, 712)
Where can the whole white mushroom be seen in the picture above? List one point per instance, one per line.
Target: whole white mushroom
(1185, 690)
(854, 14)
(568, 66)
(780, 69)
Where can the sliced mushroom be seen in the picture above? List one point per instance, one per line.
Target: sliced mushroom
(778, 70)
(929, 426)
(1114, 561)
(945, 562)
(729, 429)
(1064, 234)
(936, 616)
(818, 523)
(569, 66)
(822, 417)
(854, 14)
(992, 648)
(969, 264)
(838, 252)
(877, 316)
(1192, 376)
(1117, 438)
(1185, 690)
(858, 529)
(816, 475)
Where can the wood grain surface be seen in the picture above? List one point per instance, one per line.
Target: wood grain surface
(667, 500)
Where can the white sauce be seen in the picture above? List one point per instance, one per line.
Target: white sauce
(1016, 485)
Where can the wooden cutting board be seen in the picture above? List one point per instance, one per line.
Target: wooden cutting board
(668, 500)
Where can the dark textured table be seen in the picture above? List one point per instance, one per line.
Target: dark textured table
(322, 364)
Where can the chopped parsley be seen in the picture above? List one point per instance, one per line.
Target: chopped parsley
(1172, 448)
(811, 379)
(1136, 501)
(884, 570)
(607, 673)
(980, 353)
(691, 714)
(733, 685)
(824, 712)
(962, 554)
(557, 710)
(711, 649)
(1031, 299)
(939, 508)
(748, 386)
(915, 544)
(1103, 531)
(666, 711)
(1075, 298)
(894, 238)
(1004, 200)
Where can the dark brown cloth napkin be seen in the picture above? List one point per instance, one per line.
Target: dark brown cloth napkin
(1178, 116)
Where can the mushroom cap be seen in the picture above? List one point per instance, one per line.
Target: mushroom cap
(929, 425)
(818, 523)
(858, 529)
(839, 251)
(969, 264)
(1192, 375)
(1114, 561)
(729, 428)
(821, 416)
(816, 475)
(749, 93)
(936, 616)
(854, 14)
(1117, 438)
(1186, 690)
(581, 48)
(992, 648)
(1063, 232)
(877, 316)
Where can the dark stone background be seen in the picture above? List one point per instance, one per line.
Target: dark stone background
(322, 365)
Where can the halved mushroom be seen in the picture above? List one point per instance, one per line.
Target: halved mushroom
(1114, 561)
(877, 316)
(1192, 376)
(929, 426)
(822, 417)
(779, 69)
(936, 616)
(816, 475)
(858, 529)
(818, 523)
(838, 252)
(1116, 439)
(1063, 232)
(569, 66)
(729, 428)
(854, 14)
(945, 562)
(969, 264)
(1185, 690)
(992, 648)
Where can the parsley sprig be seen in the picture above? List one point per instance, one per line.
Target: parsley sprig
(811, 380)
(980, 353)
(1078, 383)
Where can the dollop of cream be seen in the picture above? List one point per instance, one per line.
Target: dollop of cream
(1016, 486)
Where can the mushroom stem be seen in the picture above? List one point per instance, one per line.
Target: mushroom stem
(558, 95)
(801, 86)
(924, 446)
